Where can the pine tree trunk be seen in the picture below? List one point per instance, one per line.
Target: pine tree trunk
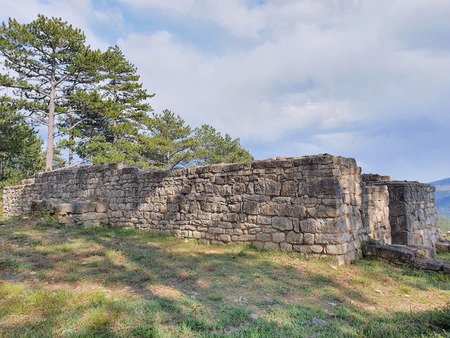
(71, 143)
(51, 127)
(71, 157)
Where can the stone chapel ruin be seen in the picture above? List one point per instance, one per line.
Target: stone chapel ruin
(315, 205)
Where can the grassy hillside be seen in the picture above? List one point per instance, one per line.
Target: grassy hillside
(72, 282)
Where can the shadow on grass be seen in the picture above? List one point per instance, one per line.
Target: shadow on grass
(108, 282)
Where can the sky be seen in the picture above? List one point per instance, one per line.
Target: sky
(367, 79)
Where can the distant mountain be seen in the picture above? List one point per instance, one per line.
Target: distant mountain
(442, 196)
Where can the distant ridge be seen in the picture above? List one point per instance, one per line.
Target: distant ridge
(442, 196)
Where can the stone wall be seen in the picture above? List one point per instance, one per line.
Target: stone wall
(376, 212)
(412, 214)
(315, 205)
(308, 205)
(17, 200)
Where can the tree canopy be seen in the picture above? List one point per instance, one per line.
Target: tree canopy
(91, 103)
(43, 59)
(20, 148)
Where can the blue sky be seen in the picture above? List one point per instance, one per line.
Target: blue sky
(358, 78)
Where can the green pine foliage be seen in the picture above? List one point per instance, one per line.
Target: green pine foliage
(215, 148)
(94, 104)
(43, 61)
(168, 142)
(20, 148)
(106, 118)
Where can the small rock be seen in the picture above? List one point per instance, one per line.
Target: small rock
(378, 291)
(32, 272)
(254, 316)
(334, 267)
(317, 321)
(240, 299)
(332, 304)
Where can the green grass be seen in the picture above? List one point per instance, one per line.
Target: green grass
(444, 224)
(74, 282)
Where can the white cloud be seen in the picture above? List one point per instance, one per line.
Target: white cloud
(358, 78)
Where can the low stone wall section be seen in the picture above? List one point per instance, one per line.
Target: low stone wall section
(309, 205)
(412, 213)
(417, 257)
(443, 246)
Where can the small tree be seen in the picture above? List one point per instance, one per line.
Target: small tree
(42, 59)
(167, 142)
(215, 148)
(20, 148)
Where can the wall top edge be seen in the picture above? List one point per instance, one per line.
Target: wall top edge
(271, 163)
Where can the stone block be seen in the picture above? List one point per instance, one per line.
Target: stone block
(250, 207)
(259, 245)
(316, 249)
(273, 188)
(332, 238)
(446, 268)
(294, 238)
(298, 211)
(269, 209)
(224, 238)
(243, 238)
(263, 237)
(63, 208)
(216, 230)
(336, 249)
(428, 264)
(308, 238)
(443, 246)
(289, 188)
(308, 249)
(282, 223)
(271, 246)
(327, 211)
(285, 246)
(100, 207)
(278, 237)
(396, 253)
(264, 220)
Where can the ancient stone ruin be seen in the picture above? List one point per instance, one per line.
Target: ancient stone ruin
(316, 205)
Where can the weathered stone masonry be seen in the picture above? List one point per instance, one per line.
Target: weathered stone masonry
(317, 205)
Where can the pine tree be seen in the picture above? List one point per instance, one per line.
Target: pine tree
(43, 60)
(108, 117)
(167, 142)
(215, 148)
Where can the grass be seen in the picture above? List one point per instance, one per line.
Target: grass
(444, 224)
(74, 282)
